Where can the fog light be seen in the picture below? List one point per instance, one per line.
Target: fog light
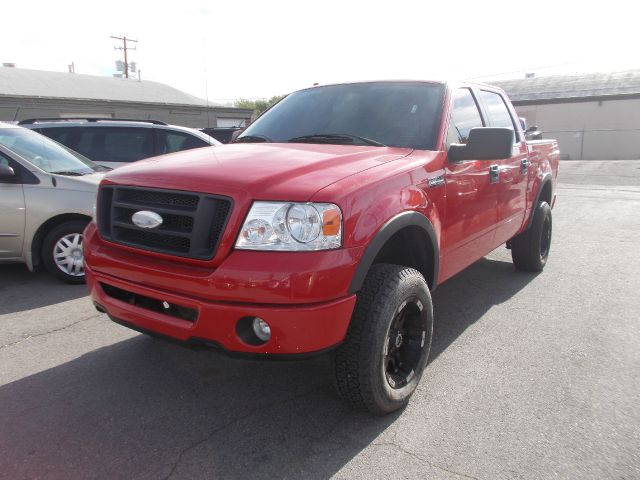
(261, 329)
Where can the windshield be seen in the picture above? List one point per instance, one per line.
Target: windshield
(46, 154)
(396, 114)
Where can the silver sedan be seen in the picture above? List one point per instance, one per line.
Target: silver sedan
(47, 193)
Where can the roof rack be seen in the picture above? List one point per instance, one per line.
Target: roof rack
(29, 121)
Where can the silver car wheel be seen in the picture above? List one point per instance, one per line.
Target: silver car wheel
(68, 256)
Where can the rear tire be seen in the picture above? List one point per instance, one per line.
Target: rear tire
(381, 361)
(530, 249)
(62, 251)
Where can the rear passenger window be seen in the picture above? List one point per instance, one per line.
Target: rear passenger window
(124, 144)
(106, 144)
(77, 139)
(169, 142)
(497, 111)
(60, 135)
(464, 116)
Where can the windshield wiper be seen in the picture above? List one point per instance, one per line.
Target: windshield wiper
(71, 173)
(333, 137)
(253, 139)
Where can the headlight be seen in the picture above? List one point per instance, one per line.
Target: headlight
(291, 227)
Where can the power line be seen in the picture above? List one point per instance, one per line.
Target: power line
(125, 48)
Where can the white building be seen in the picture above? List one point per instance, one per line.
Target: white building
(594, 116)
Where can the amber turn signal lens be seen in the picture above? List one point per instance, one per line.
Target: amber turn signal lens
(331, 222)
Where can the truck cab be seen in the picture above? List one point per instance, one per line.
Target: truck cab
(325, 227)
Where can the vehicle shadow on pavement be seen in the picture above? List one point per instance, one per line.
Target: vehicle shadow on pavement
(465, 298)
(22, 290)
(144, 408)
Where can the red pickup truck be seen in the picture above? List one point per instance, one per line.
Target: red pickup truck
(325, 226)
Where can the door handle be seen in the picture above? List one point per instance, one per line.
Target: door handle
(524, 165)
(494, 174)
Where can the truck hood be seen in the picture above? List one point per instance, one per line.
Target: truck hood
(262, 171)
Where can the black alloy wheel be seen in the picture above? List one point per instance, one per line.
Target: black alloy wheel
(405, 342)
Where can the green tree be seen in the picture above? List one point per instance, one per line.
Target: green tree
(258, 106)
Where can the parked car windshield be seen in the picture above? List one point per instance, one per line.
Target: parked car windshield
(46, 154)
(396, 114)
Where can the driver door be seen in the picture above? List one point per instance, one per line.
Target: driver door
(12, 213)
(513, 171)
(471, 212)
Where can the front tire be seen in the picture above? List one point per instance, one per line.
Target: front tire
(530, 249)
(62, 251)
(381, 361)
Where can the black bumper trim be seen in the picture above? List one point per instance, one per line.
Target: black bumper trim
(201, 343)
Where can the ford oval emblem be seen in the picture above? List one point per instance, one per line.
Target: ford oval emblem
(146, 219)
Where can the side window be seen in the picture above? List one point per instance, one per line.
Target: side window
(79, 139)
(105, 144)
(82, 140)
(497, 111)
(169, 141)
(60, 135)
(9, 163)
(119, 144)
(464, 116)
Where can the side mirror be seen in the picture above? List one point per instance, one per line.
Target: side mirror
(485, 143)
(236, 134)
(532, 133)
(6, 172)
(523, 124)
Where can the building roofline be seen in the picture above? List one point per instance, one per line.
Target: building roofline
(33, 83)
(581, 99)
(596, 85)
(125, 102)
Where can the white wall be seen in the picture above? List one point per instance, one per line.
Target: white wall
(608, 129)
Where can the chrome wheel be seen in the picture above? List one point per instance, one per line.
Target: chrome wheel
(68, 256)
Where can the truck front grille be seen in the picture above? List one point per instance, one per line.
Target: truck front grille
(192, 223)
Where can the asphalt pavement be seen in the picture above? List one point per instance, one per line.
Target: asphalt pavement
(531, 376)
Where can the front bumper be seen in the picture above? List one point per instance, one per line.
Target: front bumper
(295, 329)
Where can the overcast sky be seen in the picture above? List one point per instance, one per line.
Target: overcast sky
(256, 49)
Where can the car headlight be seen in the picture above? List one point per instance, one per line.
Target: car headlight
(291, 226)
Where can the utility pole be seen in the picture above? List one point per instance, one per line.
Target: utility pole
(125, 48)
